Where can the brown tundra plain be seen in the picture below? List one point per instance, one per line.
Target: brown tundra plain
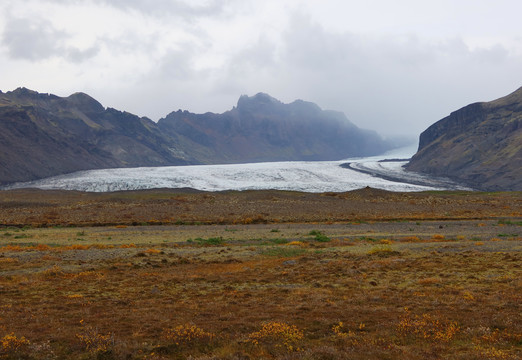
(181, 274)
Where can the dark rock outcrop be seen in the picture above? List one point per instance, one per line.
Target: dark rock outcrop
(480, 145)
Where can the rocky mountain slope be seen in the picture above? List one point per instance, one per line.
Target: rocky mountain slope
(480, 144)
(261, 128)
(43, 135)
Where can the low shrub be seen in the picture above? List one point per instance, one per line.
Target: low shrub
(426, 327)
(188, 335)
(279, 335)
(93, 341)
(211, 241)
(319, 236)
(382, 251)
(11, 344)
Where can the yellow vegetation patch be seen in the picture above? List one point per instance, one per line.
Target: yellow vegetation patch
(93, 341)
(338, 330)
(75, 296)
(127, 246)
(277, 334)
(297, 243)
(75, 247)
(187, 334)
(429, 281)
(152, 251)
(468, 296)
(426, 327)
(14, 248)
(8, 260)
(382, 250)
(42, 247)
(101, 246)
(11, 344)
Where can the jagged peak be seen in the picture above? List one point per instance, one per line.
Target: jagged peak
(260, 98)
(85, 102)
(309, 106)
(81, 96)
(24, 91)
(28, 94)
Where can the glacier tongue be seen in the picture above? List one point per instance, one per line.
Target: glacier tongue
(317, 176)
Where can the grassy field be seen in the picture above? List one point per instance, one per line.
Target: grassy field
(364, 288)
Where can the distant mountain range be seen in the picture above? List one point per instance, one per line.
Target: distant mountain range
(43, 135)
(480, 145)
(261, 128)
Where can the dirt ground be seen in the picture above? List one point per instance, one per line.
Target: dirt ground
(51, 208)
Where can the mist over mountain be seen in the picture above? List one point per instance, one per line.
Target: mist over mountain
(43, 135)
(480, 145)
(261, 128)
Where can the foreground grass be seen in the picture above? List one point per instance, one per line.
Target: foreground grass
(284, 292)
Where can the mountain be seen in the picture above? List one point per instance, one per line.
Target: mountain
(261, 128)
(480, 145)
(44, 135)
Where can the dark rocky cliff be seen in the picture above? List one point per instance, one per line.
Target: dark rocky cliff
(480, 145)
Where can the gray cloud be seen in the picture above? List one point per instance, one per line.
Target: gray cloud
(37, 39)
(77, 56)
(32, 40)
(175, 66)
(394, 84)
(258, 58)
(172, 7)
(178, 8)
(163, 55)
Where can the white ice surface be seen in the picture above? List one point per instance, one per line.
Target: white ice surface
(316, 176)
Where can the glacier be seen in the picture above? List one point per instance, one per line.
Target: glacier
(305, 176)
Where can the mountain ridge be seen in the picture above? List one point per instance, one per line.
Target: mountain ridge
(479, 144)
(262, 128)
(43, 135)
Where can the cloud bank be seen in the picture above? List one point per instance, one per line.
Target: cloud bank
(395, 71)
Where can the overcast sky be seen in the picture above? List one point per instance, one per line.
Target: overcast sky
(395, 66)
